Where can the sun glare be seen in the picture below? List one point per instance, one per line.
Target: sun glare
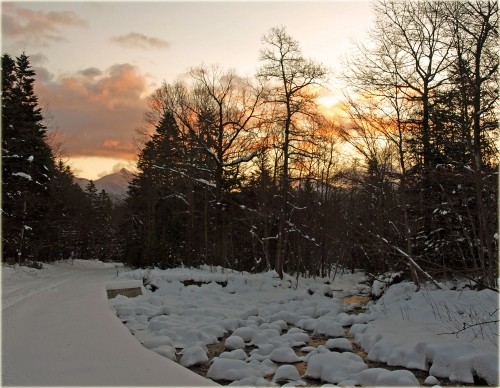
(94, 167)
(328, 101)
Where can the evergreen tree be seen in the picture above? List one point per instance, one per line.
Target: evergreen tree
(157, 199)
(27, 162)
(65, 221)
(99, 230)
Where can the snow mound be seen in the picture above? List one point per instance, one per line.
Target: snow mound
(193, 355)
(234, 342)
(339, 344)
(263, 336)
(227, 369)
(328, 326)
(238, 354)
(284, 354)
(383, 377)
(286, 373)
(396, 337)
(246, 333)
(334, 367)
(431, 380)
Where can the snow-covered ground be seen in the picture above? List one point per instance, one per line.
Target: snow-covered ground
(59, 329)
(267, 324)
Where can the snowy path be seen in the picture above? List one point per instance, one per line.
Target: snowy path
(58, 330)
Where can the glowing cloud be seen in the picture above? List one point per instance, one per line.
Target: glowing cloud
(97, 111)
(136, 40)
(36, 28)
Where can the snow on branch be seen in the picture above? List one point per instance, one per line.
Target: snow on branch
(242, 159)
(413, 263)
(205, 182)
(305, 236)
(23, 175)
(179, 196)
(199, 180)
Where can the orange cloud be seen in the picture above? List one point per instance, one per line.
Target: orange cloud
(36, 28)
(136, 40)
(97, 111)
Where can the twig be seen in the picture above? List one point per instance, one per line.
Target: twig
(468, 326)
(412, 263)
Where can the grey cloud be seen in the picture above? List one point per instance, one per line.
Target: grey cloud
(42, 74)
(90, 72)
(38, 58)
(137, 40)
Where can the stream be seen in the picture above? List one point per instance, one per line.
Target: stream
(358, 305)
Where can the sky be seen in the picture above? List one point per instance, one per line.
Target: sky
(97, 62)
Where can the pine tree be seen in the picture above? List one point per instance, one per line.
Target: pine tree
(27, 162)
(99, 231)
(65, 222)
(157, 197)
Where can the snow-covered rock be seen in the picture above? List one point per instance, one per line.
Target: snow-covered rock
(397, 378)
(328, 326)
(339, 344)
(383, 377)
(246, 333)
(431, 380)
(333, 367)
(234, 342)
(286, 373)
(308, 324)
(238, 354)
(228, 369)
(263, 336)
(284, 354)
(193, 355)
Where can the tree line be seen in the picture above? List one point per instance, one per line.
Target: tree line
(247, 173)
(46, 216)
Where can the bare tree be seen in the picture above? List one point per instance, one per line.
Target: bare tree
(222, 113)
(412, 53)
(291, 77)
(398, 77)
(475, 28)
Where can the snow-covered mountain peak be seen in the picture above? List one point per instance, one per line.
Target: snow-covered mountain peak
(114, 184)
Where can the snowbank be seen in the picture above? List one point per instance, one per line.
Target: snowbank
(425, 330)
(62, 333)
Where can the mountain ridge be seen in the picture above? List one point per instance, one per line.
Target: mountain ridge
(115, 184)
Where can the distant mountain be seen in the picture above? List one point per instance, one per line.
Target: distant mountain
(114, 184)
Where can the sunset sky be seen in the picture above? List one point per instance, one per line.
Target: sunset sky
(96, 62)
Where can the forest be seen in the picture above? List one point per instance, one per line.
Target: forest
(249, 173)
